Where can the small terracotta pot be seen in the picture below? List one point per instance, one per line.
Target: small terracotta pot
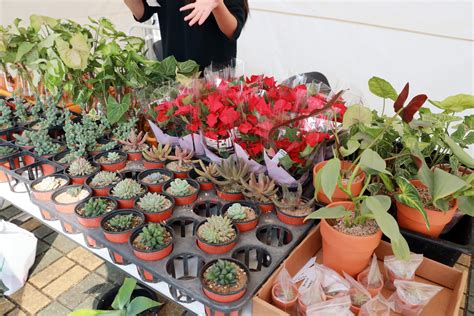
(48, 169)
(156, 217)
(338, 195)
(155, 254)
(120, 237)
(29, 159)
(128, 203)
(203, 185)
(154, 187)
(280, 303)
(148, 164)
(290, 219)
(411, 219)
(134, 156)
(215, 249)
(100, 191)
(68, 208)
(46, 195)
(373, 291)
(82, 179)
(226, 196)
(266, 207)
(184, 200)
(6, 165)
(92, 222)
(119, 165)
(343, 252)
(243, 226)
(223, 298)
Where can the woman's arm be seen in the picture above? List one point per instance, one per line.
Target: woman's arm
(140, 9)
(202, 9)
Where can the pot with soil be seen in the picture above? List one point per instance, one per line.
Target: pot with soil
(154, 179)
(126, 192)
(243, 214)
(262, 190)
(134, 145)
(292, 207)
(118, 225)
(152, 242)
(156, 157)
(80, 169)
(204, 174)
(216, 235)
(413, 220)
(184, 191)
(284, 299)
(5, 151)
(157, 207)
(346, 172)
(44, 187)
(67, 198)
(90, 213)
(113, 160)
(224, 280)
(181, 163)
(102, 182)
(363, 278)
(357, 300)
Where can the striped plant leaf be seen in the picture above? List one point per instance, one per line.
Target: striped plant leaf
(409, 196)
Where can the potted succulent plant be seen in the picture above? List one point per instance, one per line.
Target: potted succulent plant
(126, 191)
(5, 151)
(118, 225)
(261, 190)
(113, 160)
(292, 208)
(231, 173)
(152, 242)
(103, 181)
(358, 298)
(7, 121)
(22, 115)
(224, 280)
(126, 300)
(243, 214)
(103, 145)
(216, 235)
(156, 207)
(184, 191)
(90, 213)
(23, 140)
(43, 188)
(156, 157)
(181, 163)
(80, 169)
(134, 145)
(203, 175)
(66, 198)
(154, 179)
(284, 297)
(46, 147)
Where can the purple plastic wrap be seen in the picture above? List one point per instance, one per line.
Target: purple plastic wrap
(254, 166)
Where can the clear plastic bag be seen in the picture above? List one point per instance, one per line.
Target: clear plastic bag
(333, 284)
(400, 270)
(377, 306)
(358, 293)
(336, 307)
(284, 288)
(371, 278)
(314, 294)
(411, 297)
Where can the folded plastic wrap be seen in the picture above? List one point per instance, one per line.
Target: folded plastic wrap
(411, 297)
(400, 270)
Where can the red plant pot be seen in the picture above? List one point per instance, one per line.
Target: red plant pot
(28, 159)
(91, 222)
(152, 164)
(229, 196)
(284, 305)
(123, 204)
(134, 156)
(6, 165)
(68, 208)
(119, 237)
(100, 191)
(152, 255)
(181, 175)
(216, 248)
(206, 186)
(156, 217)
(48, 169)
(119, 165)
(184, 200)
(223, 298)
(244, 226)
(290, 219)
(154, 187)
(374, 291)
(266, 207)
(46, 195)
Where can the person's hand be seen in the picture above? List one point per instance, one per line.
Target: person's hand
(201, 10)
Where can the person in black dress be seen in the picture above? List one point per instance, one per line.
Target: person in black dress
(205, 31)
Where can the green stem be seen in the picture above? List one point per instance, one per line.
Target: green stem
(383, 108)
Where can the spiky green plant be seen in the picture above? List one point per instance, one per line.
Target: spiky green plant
(104, 179)
(293, 201)
(233, 171)
(223, 272)
(82, 136)
(24, 139)
(6, 116)
(53, 117)
(113, 157)
(208, 172)
(154, 202)
(127, 189)
(95, 207)
(160, 153)
(81, 167)
(43, 143)
(154, 236)
(20, 111)
(180, 187)
(107, 146)
(121, 222)
(236, 212)
(74, 191)
(261, 189)
(6, 150)
(217, 230)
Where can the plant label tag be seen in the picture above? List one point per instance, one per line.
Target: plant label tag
(153, 3)
(279, 155)
(306, 271)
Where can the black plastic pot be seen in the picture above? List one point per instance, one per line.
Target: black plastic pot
(104, 302)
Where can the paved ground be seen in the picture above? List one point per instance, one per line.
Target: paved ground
(64, 277)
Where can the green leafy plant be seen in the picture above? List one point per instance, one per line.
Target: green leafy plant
(159, 153)
(81, 167)
(127, 189)
(121, 222)
(156, 177)
(236, 212)
(154, 202)
(154, 236)
(217, 230)
(6, 117)
(113, 157)
(104, 179)
(95, 207)
(23, 139)
(6, 150)
(180, 187)
(123, 304)
(223, 272)
(262, 189)
(43, 143)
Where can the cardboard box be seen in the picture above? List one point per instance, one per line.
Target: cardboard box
(445, 303)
